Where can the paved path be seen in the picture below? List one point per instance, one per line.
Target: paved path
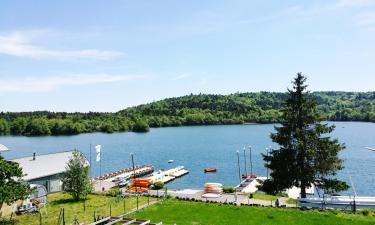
(224, 198)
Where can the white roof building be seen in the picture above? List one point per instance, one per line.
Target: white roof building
(45, 169)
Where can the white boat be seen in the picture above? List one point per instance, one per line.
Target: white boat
(371, 149)
(338, 202)
(210, 195)
(170, 161)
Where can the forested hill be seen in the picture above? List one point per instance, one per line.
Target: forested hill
(199, 109)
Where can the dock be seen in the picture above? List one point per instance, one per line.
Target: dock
(250, 185)
(168, 175)
(139, 171)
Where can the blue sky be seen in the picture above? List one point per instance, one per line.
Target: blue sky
(108, 55)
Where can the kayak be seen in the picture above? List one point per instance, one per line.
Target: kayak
(210, 170)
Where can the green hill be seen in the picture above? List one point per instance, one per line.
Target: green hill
(202, 109)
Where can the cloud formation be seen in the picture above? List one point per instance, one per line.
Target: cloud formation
(37, 84)
(19, 44)
(355, 3)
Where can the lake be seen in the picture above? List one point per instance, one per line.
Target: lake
(199, 147)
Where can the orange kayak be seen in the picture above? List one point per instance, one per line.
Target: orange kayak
(210, 170)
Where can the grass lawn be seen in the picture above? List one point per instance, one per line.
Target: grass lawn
(180, 212)
(99, 204)
(262, 196)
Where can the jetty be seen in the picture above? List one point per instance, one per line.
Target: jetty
(138, 172)
(250, 185)
(168, 175)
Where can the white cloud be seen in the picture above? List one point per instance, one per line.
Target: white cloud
(37, 84)
(355, 3)
(182, 76)
(20, 44)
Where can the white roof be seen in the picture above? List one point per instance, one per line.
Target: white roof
(44, 165)
(3, 148)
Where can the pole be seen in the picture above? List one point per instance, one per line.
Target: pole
(251, 161)
(137, 201)
(90, 161)
(124, 206)
(239, 168)
(132, 156)
(244, 156)
(267, 166)
(100, 168)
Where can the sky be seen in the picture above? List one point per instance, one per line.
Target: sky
(95, 55)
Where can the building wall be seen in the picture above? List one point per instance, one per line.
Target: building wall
(51, 183)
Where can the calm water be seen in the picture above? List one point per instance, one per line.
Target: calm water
(199, 147)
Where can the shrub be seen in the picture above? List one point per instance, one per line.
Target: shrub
(158, 185)
(228, 189)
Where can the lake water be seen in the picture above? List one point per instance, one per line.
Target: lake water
(200, 147)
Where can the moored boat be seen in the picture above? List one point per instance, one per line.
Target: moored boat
(246, 176)
(210, 170)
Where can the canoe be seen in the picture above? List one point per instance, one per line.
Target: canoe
(210, 170)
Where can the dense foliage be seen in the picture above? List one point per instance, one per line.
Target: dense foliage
(11, 186)
(306, 151)
(76, 180)
(202, 109)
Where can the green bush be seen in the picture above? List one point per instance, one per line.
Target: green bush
(228, 189)
(158, 185)
(367, 212)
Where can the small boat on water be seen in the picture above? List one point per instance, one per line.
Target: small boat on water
(170, 161)
(210, 170)
(371, 149)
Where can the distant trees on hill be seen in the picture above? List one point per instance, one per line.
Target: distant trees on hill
(202, 109)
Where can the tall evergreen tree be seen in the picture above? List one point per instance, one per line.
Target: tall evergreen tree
(306, 151)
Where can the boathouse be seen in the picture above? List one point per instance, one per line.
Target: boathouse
(45, 169)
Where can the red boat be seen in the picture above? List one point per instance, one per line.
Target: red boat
(210, 170)
(246, 176)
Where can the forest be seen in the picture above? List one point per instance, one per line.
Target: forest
(199, 109)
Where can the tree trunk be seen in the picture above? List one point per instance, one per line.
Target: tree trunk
(303, 189)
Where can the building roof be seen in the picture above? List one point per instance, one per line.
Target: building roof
(44, 165)
(3, 148)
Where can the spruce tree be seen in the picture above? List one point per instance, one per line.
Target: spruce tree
(306, 153)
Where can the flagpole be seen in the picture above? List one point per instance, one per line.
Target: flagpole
(100, 168)
(90, 162)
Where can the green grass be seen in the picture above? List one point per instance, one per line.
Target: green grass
(99, 204)
(292, 201)
(192, 213)
(262, 196)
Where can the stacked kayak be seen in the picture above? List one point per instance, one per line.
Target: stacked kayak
(140, 182)
(215, 188)
(139, 185)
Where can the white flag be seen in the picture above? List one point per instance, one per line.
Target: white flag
(97, 150)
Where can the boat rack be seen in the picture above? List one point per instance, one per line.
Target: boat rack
(123, 221)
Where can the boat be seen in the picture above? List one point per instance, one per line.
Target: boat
(170, 161)
(371, 149)
(246, 176)
(338, 202)
(210, 170)
(210, 195)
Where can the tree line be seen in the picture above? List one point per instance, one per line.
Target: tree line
(201, 109)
